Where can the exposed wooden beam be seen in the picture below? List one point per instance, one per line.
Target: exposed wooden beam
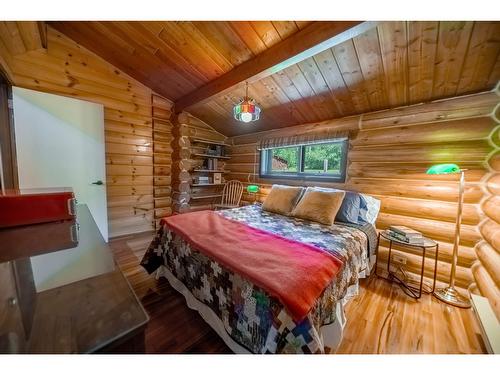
(308, 42)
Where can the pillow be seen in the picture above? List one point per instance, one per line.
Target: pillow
(369, 208)
(282, 199)
(319, 206)
(349, 210)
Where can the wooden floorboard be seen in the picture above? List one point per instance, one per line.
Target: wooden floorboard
(381, 319)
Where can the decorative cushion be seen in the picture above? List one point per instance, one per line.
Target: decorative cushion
(282, 199)
(368, 210)
(349, 210)
(319, 206)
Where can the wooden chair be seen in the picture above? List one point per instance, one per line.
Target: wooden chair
(231, 195)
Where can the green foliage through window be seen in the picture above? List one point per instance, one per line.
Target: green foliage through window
(315, 161)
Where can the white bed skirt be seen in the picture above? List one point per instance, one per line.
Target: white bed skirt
(330, 334)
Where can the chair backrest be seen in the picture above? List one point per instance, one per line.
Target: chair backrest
(231, 194)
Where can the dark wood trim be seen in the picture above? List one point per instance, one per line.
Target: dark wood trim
(308, 42)
(7, 136)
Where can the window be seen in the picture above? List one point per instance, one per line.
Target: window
(318, 161)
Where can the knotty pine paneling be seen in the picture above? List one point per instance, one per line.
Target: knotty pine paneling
(389, 153)
(68, 69)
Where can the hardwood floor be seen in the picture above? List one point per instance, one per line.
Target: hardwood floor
(381, 319)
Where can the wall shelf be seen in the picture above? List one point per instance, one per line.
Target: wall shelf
(208, 142)
(202, 185)
(210, 171)
(212, 156)
(194, 197)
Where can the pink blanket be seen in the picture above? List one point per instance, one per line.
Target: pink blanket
(294, 272)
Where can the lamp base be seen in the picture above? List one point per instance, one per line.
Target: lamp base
(452, 297)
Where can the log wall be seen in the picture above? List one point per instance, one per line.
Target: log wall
(388, 155)
(188, 127)
(66, 68)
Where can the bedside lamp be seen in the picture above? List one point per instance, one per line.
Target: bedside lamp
(449, 294)
(253, 189)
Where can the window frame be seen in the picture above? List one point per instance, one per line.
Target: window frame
(265, 164)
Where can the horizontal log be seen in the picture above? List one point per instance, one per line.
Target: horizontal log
(161, 191)
(244, 148)
(127, 128)
(477, 105)
(117, 148)
(494, 161)
(160, 113)
(129, 170)
(162, 137)
(162, 181)
(82, 82)
(162, 212)
(162, 202)
(62, 88)
(487, 287)
(128, 211)
(493, 184)
(490, 260)
(130, 139)
(127, 117)
(449, 131)
(429, 209)
(318, 128)
(393, 169)
(433, 190)
(491, 208)
(443, 231)
(162, 159)
(495, 134)
(162, 170)
(187, 119)
(457, 152)
(162, 126)
(242, 167)
(120, 159)
(129, 180)
(161, 102)
(129, 200)
(114, 191)
(491, 233)
(162, 147)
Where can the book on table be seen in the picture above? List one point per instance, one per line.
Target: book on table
(405, 231)
(405, 234)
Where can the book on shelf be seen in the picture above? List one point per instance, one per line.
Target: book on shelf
(405, 231)
(410, 240)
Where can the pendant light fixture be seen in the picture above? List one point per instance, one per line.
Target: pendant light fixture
(246, 110)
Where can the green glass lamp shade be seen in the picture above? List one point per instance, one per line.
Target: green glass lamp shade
(253, 188)
(443, 169)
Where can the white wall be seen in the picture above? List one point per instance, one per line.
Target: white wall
(60, 143)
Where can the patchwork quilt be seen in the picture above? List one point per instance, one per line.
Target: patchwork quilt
(252, 317)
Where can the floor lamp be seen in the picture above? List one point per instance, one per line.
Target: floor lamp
(449, 294)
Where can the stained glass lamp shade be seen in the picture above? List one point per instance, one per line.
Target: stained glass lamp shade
(449, 294)
(246, 110)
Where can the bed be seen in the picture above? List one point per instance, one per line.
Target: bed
(247, 317)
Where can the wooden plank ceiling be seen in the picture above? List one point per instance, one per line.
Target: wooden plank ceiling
(390, 65)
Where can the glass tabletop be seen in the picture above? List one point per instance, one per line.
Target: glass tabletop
(427, 241)
(62, 290)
